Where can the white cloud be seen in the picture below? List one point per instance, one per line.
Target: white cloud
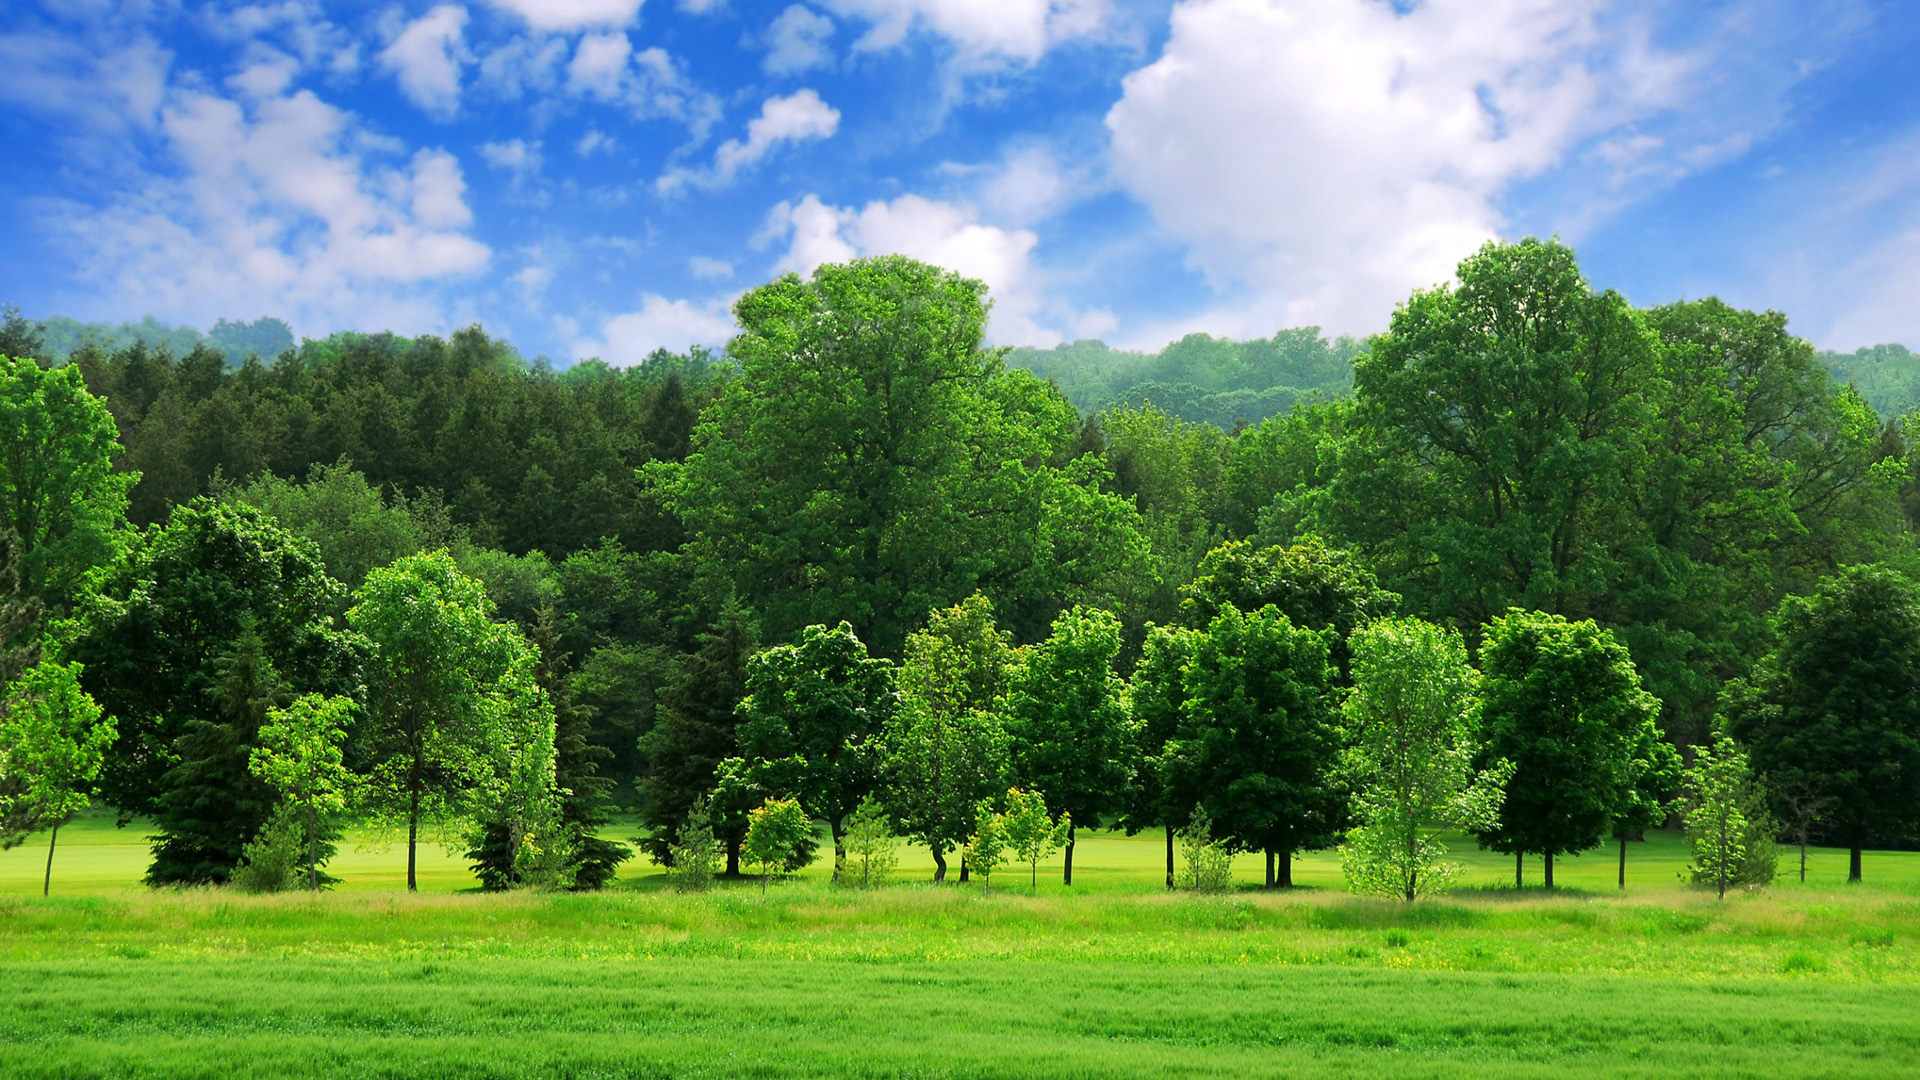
(674, 325)
(593, 141)
(267, 73)
(516, 156)
(599, 65)
(703, 7)
(944, 234)
(797, 42)
(798, 117)
(550, 15)
(427, 55)
(523, 65)
(1019, 30)
(648, 83)
(709, 269)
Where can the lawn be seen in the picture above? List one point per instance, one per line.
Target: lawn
(810, 980)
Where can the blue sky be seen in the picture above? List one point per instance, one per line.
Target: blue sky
(601, 177)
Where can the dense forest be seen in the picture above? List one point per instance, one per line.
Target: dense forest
(860, 556)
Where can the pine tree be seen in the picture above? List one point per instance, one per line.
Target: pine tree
(695, 733)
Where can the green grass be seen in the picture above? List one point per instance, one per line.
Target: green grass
(1118, 980)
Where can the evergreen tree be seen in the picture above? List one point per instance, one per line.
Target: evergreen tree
(699, 714)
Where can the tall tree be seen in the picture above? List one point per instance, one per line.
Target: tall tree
(53, 738)
(1653, 775)
(1161, 793)
(458, 725)
(1836, 704)
(1316, 585)
(811, 723)
(1069, 727)
(696, 731)
(59, 495)
(1562, 702)
(1257, 739)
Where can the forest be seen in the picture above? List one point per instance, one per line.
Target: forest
(1532, 566)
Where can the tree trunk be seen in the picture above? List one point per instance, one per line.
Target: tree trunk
(1623, 864)
(1803, 862)
(733, 856)
(313, 849)
(1269, 868)
(46, 885)
(413, 838)
(1285, 860)
(1549, 874)
(1169, 829)
(1519, 860)
(964, 876)
(1853, 866)
(1071, 826)
(939, 866)
(839, 845)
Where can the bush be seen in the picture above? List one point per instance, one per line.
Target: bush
(1209, 867)
(274, 860)
(872, 849)
(693, 852)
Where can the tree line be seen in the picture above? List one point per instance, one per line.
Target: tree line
(860, 560)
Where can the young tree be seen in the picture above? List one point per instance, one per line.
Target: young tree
(987, 847)
(870, 846)
(300, 754)
(775, 830)
(59, 495)
(694, 851)
(1836, 705)
(458, 725)
(699, 714)
(1732, 838)
(1031, 832)
(946, 747)
(1562, 702)
(1158, 697)
(1209, 865)
(1802, 807)
(1072, 734)
(1654, 772)
(53, 738)
(1410, 721)
(811, 720)
(1257, 740)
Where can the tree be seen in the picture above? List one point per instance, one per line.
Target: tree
(1158, 795)
(694, 851)
(1311, 582)
(1411, 760)
(1803, 807)
(1731, 835)
(212, 620)
(59, 495)
(300, 754)
(1836, 704)
(775, 830)
(53, 738)
(810, 723)
(870, 846)
(458, 725)
(1653, 773)
(1562, 702)
(1071, 732)
(1257, 739)
(699, 713)
(946, 747)
(1031, 832)
(1209, 864)
(987, 847)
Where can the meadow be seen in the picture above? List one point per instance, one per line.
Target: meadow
(1118, 979)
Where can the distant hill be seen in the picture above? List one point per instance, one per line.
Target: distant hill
(264, 337)
(1888, 376)
(1201, 378)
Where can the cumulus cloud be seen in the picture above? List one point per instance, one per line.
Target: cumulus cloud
(426, 57)
(798, 117)
(797, 42)
(660, 323)
(942, 233)
(1324, 157)
(604, 67)
(516, 156)
(552, 15)
(1018, 30)
(709, 269)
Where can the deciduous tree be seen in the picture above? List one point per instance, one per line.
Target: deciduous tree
(53, 738)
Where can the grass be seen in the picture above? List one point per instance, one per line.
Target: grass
(1120, 980)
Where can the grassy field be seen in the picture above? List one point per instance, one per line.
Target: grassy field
(107, 979)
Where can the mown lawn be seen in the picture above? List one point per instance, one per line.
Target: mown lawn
(107, 979)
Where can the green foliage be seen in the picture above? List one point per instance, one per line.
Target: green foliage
(53, 739)
(59, 496)
(987, 847)
(945, 749)
(356, 526)
(1206, 864)
(278, 858)
(871, 848)
(1410, 721)
(775, 830)
(1732, 835)
(1836, 705)
(1161, 793)
(300, 755)
(695, 733)
(694, 851)
(1030, 831)
(1318, 586)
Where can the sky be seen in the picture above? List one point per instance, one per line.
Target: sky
(599, 178)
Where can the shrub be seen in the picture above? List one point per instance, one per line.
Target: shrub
(1209, 867)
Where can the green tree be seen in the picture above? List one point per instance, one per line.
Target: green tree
(1562, 702)
(699, 714)
(53, 738)
(946, 747)
(301, 756)
(1257, 739)
(458, 726)
(810, 723)
(1316, 585)
(1411, 760)
(1836, 704)
(1654, 773)
(775, 830)
(1031, 832)
(1071, 732)
(695, 850)
(1160, 794)
(213, 619)
(59, 495)
(986, 848)
(1728, 828)
(870, 846)
(1209, 863)
(356, 526)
